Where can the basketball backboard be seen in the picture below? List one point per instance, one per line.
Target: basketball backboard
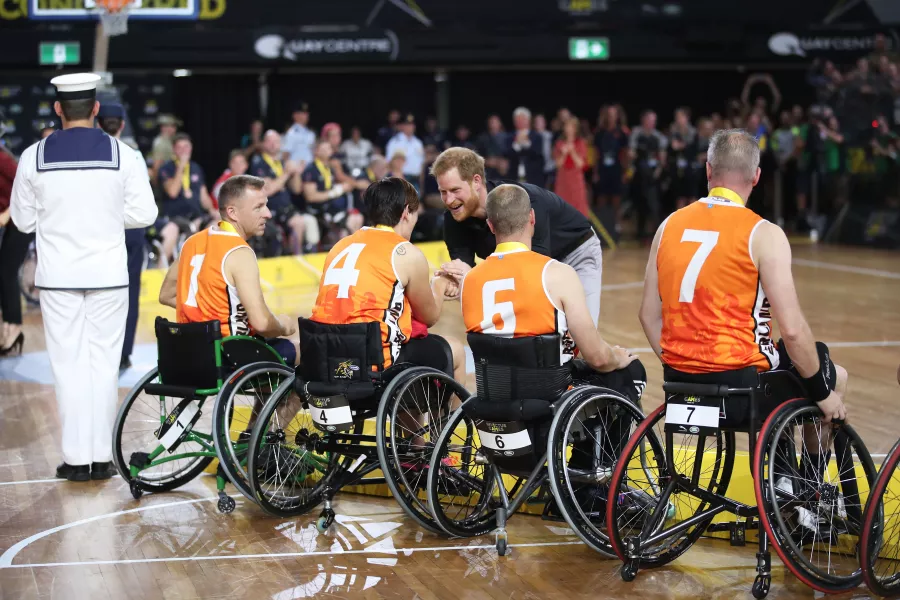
(73, 10)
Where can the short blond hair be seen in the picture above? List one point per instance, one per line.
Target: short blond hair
(465, 161)
(508, 209)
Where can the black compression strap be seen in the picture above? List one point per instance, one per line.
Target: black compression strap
(82, 95)
(817, 386)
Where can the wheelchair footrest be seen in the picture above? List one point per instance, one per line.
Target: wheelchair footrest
(139, 460)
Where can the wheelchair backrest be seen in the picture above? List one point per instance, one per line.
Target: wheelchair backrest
(239, 351)
(340, 353)
(508, 369)
(189, 353)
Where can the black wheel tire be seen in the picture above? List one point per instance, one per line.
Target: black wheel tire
(761, 586)
(629, 570)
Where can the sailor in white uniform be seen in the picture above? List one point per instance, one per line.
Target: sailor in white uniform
(79, 189)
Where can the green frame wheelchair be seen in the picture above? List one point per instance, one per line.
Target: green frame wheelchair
(165, 434)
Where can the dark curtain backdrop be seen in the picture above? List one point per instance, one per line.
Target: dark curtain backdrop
(217, 111)
(474, 96)
(361, 99)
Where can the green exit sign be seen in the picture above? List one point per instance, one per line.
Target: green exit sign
(59, 53)
(588, 48)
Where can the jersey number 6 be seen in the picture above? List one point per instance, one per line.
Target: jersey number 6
(708, 241)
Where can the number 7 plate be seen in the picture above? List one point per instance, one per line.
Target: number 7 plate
(692, 415)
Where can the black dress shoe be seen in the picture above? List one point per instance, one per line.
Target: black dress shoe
(102, 470)
(73, 472)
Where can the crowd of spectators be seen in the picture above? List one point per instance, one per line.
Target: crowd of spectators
(814, 159)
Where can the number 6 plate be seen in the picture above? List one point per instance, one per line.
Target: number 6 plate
(505, 439)
(693, 415)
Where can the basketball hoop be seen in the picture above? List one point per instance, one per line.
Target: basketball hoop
(114, 16)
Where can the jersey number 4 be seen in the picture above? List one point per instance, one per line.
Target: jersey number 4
(344, 277)
(708, 241)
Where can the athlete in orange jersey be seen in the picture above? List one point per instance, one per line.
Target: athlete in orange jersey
(516, 292)
(376, 275)
(716, 276)
(217, 278)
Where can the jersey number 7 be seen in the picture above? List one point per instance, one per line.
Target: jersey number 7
(708, 241)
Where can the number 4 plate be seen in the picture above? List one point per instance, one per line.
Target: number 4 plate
(331, 413)
(505, 439)
(693, 415)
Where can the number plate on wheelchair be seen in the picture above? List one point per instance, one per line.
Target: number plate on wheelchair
(505, 439)
(331, 413)
(693, 415)
(177, 424)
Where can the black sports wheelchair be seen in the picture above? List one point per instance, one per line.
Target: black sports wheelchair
(533, 422)
(315, 434)
(166, 433)
(810, 481)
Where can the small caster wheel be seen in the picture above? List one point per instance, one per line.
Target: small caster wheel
(629, 570)
(136, 491)
(325, 520)
(226, 504)
(761, 586)
(501, 544)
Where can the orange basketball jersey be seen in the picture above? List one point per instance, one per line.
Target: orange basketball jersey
(204, 293)
(715, 314)
(506, 295)
(360, 285)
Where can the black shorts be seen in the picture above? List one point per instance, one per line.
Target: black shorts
(430, 351)
(629, 381)
(283, 215)
(285, 348)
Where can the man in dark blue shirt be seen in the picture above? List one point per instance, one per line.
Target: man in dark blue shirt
(282, 179)
(325, 197)
(186, 205)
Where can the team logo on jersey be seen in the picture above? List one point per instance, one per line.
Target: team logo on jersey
(345, 369)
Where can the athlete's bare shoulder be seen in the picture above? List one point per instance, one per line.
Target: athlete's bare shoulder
(769, 242)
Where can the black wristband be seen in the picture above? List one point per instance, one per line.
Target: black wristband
(816, 386)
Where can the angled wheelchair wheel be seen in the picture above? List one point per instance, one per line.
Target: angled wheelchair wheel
(137, 452)
(412, 413)
(880, 542)
(811, 482)
(640, 505)
(461, 482)
(589, 431)
(235, 412)
(286, 468)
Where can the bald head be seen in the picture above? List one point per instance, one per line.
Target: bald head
(508, 210)
(733, 155)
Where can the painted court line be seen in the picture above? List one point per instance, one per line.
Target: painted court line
(277, 555)
(846, 268)
(8, 556)
(37, 481)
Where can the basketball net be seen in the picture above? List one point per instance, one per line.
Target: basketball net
(114, 16)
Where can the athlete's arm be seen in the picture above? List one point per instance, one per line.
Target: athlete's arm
(568, 294)
(651, 304)
(412, 268)
(169, 290)
(316, 197)
(241, 269)
(772, 253)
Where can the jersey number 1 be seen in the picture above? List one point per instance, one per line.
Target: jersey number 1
(196, 263)
(344, 277)
(708, 241)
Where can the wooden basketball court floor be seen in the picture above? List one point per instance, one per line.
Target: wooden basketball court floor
(92, 540)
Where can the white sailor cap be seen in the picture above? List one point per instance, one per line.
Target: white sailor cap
(76, 86)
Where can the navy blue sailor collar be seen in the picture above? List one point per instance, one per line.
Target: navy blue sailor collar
(78, 148)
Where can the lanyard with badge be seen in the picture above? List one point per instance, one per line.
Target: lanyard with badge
(275, 165)
(325, 172)
(186, 181)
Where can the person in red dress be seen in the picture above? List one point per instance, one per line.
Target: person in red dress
(570, 154)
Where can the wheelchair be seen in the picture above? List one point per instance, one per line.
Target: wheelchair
(166, 434)
(671, 479)
(529, 410)
(880, 541)
(315, 435)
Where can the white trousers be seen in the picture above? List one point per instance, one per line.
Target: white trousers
(84, 331)
(587, 260)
